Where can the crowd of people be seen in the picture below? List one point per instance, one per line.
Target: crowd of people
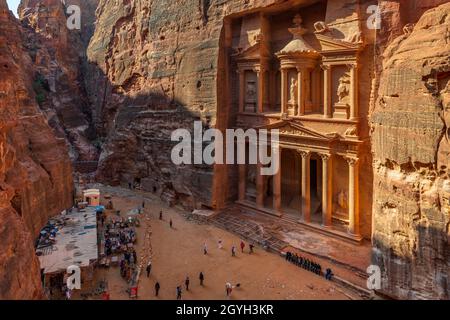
(308, 264)
(119, 237)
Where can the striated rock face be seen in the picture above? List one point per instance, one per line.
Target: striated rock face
(35, 170)
(59, 55)
(410, 143)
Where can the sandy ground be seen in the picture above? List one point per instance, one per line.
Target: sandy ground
(178, 252)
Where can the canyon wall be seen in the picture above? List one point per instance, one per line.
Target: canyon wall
(410, 144)
(35, 170)
(59, 58)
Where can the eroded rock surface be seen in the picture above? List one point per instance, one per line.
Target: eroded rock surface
(35, 169)
(59, 55)
(410, 143)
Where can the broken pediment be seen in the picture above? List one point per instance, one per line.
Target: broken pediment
(329, 44)
(296, 129)
(254, 52)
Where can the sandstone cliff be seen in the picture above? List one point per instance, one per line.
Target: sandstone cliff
(410, 143)
(59, 56)
(35, 170)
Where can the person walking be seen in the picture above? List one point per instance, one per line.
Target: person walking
(233, 251)
(160, 215)
(171, 224)
(205, 249)
(251, 246)
(149, 268)
(220, 243)
(186, 282)
(179, 293)
(143, 204)
(157, 287)
(202, 278)
(242, 246)
(228, 289)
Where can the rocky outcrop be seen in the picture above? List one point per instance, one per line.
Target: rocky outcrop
(35, 170)
(410, 144)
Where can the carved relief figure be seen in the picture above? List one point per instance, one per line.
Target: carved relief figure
(251, 175)
(408, 28)
(355, 37)
(343, 89)
(321, 27)
(350, 132)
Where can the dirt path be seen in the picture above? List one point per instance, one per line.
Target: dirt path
(178, 253)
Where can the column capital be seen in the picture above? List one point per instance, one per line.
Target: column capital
(351, 160)
(352, 65)
(325, 67)
(304, 153)
(325, 156)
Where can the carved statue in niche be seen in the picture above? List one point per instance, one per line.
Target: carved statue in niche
(251, 175)
(342, 200)
(292, 92)
(250, 93)
(343, 89)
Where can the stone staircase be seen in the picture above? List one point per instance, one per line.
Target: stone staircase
(248, 230)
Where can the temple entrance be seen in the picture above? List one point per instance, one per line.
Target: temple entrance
(316, 189)
(290, 182)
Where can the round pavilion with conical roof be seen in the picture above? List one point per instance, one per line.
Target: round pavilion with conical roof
(297, 60)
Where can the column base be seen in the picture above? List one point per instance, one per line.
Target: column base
(330, 231)
(355, 236)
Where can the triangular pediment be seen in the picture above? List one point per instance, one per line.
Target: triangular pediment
(257, 51)
(328, 43)
(249, 53)
(289, 128)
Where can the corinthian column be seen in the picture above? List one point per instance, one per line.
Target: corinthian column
(259, 186)
(326, 91)
(327, 179)
(353, 196)
(353, 92)
(300, 92)
(277, 183)
(242, 177)
(284, 88)
(306, 185)
(261, 83)
(241, 90)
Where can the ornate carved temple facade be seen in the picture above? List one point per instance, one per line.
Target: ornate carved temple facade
(291, 70)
